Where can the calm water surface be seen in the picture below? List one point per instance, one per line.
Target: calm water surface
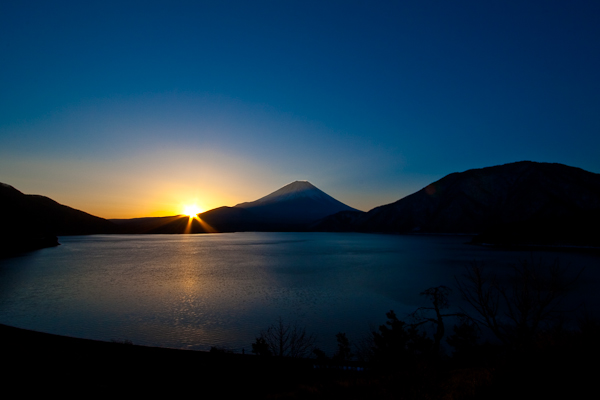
(197, 291)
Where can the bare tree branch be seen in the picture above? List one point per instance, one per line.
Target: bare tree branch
(287, 340)
(515, 312)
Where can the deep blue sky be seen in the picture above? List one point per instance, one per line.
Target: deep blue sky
(135, 109)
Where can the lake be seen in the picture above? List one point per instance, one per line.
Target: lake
(198, 291)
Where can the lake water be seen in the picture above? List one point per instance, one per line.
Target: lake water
(198, 291)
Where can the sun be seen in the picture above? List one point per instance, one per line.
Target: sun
(192, 210)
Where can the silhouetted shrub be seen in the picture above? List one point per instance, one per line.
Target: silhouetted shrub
(220, 350)
(260, 347)
(124, 341)
(398, 344)
(343, 352)
(465, 341)
(320, 355)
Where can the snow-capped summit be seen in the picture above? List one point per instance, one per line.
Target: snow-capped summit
(297, 202)
(294, 190)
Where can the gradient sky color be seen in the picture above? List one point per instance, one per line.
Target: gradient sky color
(130, 109)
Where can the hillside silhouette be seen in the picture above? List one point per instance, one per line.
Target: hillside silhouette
(31, 221)
(522, 202)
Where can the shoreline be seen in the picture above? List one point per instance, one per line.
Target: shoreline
(62, 363)
(539, 247)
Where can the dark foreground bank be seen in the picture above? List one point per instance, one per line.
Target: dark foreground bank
(41, 363)
(36, 363)
(52, 363)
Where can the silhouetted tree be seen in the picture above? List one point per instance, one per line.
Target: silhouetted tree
(439, 299)
(516, 311)
(284, 340)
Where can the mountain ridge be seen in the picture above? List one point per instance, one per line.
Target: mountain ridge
(30, 221)
(487, 199)
(512, 203)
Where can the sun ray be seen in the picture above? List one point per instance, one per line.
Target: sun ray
(203, 224)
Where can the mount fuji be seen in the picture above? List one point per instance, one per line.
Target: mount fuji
(297, 202)
(293, 207)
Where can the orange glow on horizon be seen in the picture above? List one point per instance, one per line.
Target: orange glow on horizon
(191, 210)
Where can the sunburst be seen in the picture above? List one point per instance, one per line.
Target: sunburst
(192, 210)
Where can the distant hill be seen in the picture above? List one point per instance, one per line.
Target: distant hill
(500, 201)
(32, 221)
(227, 219)
(291, 208)
(171, 224)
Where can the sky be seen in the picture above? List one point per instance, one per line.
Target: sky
(130, 109)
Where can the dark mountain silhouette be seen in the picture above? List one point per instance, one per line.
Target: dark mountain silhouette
(291, 208)
(233, 219)
(152, 224)
(523, 198)
(340, 222)
(519, 203)
(298, 203)
(227, 219)
(32, 221)
(167, 225)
